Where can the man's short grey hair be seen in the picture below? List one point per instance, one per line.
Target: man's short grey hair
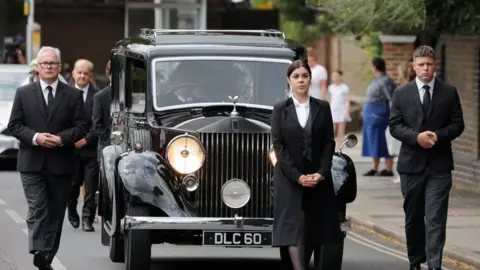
(88, 62)
(49, 49)
(424, 51)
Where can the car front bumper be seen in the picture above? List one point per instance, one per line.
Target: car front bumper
(197, 223)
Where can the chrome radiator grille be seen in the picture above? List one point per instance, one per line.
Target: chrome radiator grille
(235, 155)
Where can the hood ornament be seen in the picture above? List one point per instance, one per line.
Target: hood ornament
(234, 101)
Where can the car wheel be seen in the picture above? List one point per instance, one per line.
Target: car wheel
(138, 243)
(117, 242)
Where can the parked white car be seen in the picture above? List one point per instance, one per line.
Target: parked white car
(11, 77)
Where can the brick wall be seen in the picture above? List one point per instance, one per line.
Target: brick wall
(461, 69)
(395, 50)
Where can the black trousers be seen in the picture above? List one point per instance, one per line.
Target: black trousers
(46, 200)
(86, 172)
(426, 209)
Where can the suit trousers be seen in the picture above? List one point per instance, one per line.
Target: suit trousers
(46, 199)
(86, 172)
(426, 209)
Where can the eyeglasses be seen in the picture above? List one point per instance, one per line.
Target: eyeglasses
(48, 64)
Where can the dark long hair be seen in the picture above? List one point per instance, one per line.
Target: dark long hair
(298, 64)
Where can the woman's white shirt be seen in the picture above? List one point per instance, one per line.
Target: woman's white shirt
(303, 111)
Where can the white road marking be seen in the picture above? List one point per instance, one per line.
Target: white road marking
(2, 202)
(56, 264)
(16, 217)
(380, 248)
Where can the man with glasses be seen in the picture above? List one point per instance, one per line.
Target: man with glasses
(47, 118)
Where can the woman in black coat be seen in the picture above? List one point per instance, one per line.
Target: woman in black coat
(306, 215)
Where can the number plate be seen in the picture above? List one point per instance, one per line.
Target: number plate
(237, 238)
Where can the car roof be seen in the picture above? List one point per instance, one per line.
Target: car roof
(154, 42)
(20, 68)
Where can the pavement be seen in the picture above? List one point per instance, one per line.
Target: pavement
(82, 250)
(379, 208)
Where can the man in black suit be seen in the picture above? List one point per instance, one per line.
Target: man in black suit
(86, 166)
(47, 118)
(426, 116)
(101, 119)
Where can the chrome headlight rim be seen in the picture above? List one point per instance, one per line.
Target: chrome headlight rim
(181, 136)
(236, 180)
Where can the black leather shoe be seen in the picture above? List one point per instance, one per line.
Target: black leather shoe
(434, 268)
(40, 260)
(415, 267)
(87, 226)
(73, 218)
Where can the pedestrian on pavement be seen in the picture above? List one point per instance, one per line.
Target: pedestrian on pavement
(101, 119)
(304, 201)
(47, 118)
(405, 75)
(86, 165)
(319, 83)
(375, 119)
(426, 116)
(339, 103)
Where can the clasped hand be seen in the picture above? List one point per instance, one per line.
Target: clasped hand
(310, 180)
(48, 140)
(427, 139)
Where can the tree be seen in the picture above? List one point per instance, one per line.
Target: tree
(427, 18)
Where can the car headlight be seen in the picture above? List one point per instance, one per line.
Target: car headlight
(272, 156)
(235, 193)
(185, 154)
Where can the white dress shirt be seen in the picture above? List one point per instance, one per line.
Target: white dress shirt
(421, 90)
(43, 86)
(302, 109)
(85, 91)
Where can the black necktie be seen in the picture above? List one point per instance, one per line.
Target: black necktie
(426, 100)
(50, 98)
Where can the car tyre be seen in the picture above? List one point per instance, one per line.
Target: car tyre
(138, 243)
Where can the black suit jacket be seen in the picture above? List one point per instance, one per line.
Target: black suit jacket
(89, 150)
(29, 115)
(445, 118)
(101, 119)
(287, 138)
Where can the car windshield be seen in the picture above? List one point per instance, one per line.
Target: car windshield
(186, 80)
(9, 82)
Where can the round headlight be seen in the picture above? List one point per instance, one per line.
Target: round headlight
(185, 154)
(235, 193)
(272, 156)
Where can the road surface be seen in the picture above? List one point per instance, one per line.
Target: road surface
(81, 250)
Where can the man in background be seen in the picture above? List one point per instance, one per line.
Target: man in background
(86, 166)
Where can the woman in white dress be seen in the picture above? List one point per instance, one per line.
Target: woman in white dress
(339, 103)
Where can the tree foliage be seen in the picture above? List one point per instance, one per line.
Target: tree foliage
(359, 17)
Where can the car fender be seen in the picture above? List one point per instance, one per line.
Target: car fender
(141, 177)
(109, 155)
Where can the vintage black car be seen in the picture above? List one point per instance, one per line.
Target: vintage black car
(191, 159)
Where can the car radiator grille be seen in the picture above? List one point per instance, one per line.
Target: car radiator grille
(236, 155)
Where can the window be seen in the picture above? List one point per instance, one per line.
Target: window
(118, 83)
(136, 85)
